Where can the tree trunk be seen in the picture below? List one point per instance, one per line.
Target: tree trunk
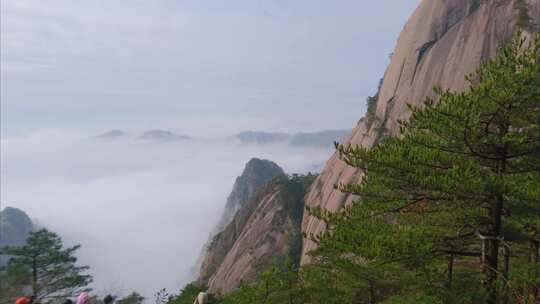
(506, 271)
(535, 259)
(491, 266)
(450, 270)
(34, 277)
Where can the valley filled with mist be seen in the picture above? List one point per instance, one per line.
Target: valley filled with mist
(142, 208)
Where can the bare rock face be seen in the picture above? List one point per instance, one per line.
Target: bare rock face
(442, 42)
(264, 230)
(255, 175)
(257, 172)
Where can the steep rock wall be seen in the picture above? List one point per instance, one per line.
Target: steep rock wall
(264, 231)
(255, 175)
(257, 172)
(442, 42)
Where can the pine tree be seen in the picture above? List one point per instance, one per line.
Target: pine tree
(448, 203)
(280, 283)
(47, 267)
(132, 298)
(188, 294)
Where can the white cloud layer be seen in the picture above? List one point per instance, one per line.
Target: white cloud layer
(142, 210)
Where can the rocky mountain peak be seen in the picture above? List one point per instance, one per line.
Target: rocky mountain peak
(257, 172)
(15, 227)
(263, 231)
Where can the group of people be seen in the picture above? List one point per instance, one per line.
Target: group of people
(84, 298)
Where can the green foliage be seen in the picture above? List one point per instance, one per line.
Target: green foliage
(278, 284)
(47, 267)
(189, 293)
(371, 103)
(461, 182)
(109, 299)
(133, 298)
(297, 186)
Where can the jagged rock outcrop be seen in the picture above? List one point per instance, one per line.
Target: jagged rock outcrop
(255, 175)
(15, 227)
(257, 172)
(442, 42)
(264, 230)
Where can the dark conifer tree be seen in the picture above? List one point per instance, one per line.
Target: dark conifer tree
(47, 267)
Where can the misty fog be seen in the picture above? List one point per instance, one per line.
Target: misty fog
(141, 209)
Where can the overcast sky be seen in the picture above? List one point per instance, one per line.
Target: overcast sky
(198, 67)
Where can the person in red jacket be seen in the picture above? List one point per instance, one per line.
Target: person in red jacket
(25, 300)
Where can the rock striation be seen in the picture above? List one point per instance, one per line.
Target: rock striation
(442, 42)
(257, 172)
(264, 231)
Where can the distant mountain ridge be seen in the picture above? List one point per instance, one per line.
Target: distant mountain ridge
(320, 139)
(162, 135)
(324, 138)
(255, 137)
(113, 134)
(15, 227)
(150, 135)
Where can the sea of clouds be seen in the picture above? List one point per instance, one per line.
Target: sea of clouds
(142, 210)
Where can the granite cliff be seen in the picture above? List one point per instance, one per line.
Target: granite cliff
(256, 173)
(442, 42)
(264, 229)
